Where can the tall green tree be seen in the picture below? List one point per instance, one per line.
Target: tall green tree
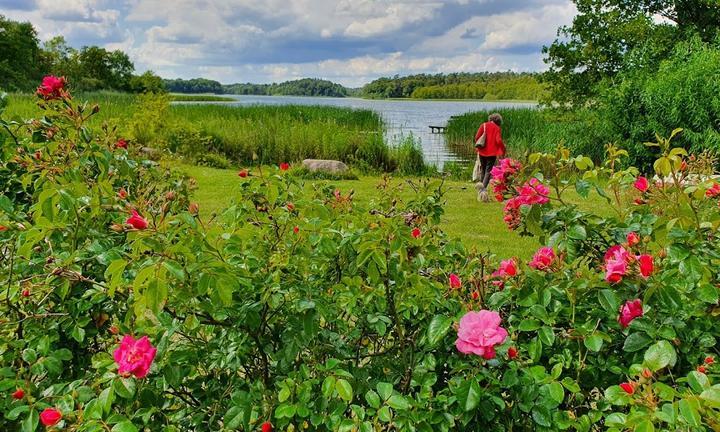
(610, 36)
(21, 59)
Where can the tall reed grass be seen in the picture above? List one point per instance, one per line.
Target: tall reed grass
(528, 130)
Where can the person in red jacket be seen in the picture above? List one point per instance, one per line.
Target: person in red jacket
(494, 148)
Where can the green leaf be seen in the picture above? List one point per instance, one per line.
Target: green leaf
(542, 416)
(438, 328)
(556, 392)
(660, 355)
(372, 399)
(689, 413)
(594, 342)
(384, 414)
(285, 410)
(30, 423)
(547, 336)
(283, 394)
(698, 381)
(124, 426)
(124, 387)
(398, 402)
(636, 342)
(328, 387)
(617, 396)
(529, 325)
(344, 389)
(577, 232)
(711, 396)
(468, 394)
(175, 269)
(385, 390)
(14, 413)
(645, 426)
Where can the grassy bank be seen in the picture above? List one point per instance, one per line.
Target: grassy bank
(530, 130)
(223, 136)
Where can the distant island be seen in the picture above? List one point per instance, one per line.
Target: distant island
(483, 85)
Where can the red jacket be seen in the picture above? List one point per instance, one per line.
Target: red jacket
(494, 145)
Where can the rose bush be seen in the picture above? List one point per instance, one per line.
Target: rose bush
(297, 308)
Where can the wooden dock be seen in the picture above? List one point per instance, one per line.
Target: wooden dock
(437, 129)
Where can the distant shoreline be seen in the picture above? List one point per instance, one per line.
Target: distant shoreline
(199, 97)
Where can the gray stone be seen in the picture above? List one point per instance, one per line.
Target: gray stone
(332, 166)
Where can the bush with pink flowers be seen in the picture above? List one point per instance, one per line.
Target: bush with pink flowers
(297, 308)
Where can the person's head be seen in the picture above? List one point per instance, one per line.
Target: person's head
(495, 118)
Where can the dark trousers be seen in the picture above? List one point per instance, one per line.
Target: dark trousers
(486, 165)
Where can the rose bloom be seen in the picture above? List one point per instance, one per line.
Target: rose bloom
(543, 259)
(121, 143)
(616, 262)
(629, 311)
(646, 265)
(454, 281)
(633, 239)
(284, 166)
(50, 417)
(479, 333)
(628, 388)
(134, 357)
(713, 191)
(508, 268)
(52, 87)
(137, 221)
(641, 184)
(267, 427)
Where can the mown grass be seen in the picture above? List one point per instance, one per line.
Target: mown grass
(477, 224)
(527, 130)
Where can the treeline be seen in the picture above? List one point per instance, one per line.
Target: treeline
(24, 61)
(301, 87)
(483, 85)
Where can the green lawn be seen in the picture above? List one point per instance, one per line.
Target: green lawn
(476, 224)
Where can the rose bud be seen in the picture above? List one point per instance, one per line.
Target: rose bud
(512, 352)
(26, 292)
(170, 195)
(267, 427)
(193, 208)
(18, 394)
(628, 388)
(114, 330)
(709, 360)
(647, 373)
(701, 369)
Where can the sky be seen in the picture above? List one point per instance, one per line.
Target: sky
(347, 41)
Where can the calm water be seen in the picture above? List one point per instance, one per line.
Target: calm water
(402, 117)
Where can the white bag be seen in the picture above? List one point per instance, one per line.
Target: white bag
(477, 171)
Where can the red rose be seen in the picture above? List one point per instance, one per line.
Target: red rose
(18, 394)
(137, 221)
(296, 229)
(628, 387)
(50, 417)
(121, 143)
(416, 233)
(243, 173)
(52, 87)
(642, 184)
(512, 352)
(454, 281)
(646, 265)
(284, 166)
(267, 427)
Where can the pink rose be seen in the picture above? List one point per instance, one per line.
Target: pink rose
(616, 263)
(52, 87)
(50, 417)
(629, 311)
(633, 239)
(646, 265)
(455, 282)
(543, 259)
(479, 333)
(508, 268)
(533, 192)
(642, 184)
(134, 357)
(713, 191)
(137, 221)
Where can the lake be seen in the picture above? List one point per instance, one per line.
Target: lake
(402, 117)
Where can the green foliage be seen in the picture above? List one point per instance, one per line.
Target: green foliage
(489, 86)
(21, 59)
(685, 92)
(301, 87)
(195, 85)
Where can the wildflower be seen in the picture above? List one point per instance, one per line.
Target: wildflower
(508, 268)
(629, 388)
(629, 311)
(543, 259)
(641, 184)
(646, 265)
(134, 357)
(52, 87)
(137, 221)
(50, 417)
(479, 333)
(633, 239)
(454, 281)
